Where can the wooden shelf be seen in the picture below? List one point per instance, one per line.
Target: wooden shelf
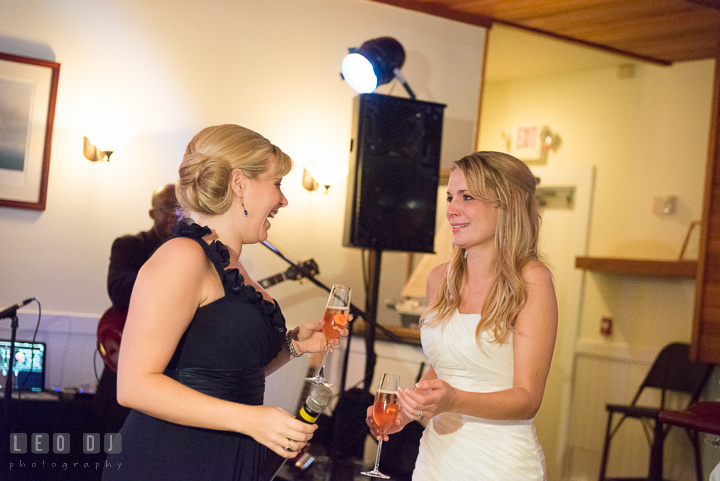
(638, 267)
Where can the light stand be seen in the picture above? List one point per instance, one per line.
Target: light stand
(399, 76)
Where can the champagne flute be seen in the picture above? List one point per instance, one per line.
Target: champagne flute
(336, 315)
(384, 413)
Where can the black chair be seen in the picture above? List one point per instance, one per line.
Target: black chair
(672, 371)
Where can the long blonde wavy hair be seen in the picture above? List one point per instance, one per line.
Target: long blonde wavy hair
(502, 181)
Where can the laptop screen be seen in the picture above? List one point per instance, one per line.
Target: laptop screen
(28, 365)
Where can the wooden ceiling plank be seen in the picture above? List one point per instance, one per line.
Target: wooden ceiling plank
(658, 31)
(599, 18)
(585, 43)
(707, 3)
(688, 24)
(648, 29)
(521, 10)
(694, 46)
(675, 48)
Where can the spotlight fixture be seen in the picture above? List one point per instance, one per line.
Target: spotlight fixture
(94, 154)
(326, 174)
(374, 63)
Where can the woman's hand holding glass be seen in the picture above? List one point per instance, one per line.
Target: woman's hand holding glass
(427, 399)
(309, 337)
(402, 420)
(335, 319)
(384, 413)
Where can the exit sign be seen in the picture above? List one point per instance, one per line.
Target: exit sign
(526, 142)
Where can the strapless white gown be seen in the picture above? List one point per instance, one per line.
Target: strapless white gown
(460, 447)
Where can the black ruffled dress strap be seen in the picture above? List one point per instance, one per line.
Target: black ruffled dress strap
(216, 251)
(232, 280)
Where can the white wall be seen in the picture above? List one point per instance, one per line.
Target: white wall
(158, 72)
(647, 134)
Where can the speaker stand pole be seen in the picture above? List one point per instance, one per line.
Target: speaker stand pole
(371, 305)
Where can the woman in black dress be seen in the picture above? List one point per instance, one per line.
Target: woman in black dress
(201, 335)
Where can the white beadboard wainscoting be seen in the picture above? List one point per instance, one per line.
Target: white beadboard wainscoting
(612, 373)
(70, 342)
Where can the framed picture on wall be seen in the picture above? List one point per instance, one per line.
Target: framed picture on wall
(28, 89)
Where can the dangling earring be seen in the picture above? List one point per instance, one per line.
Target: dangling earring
(244, 209)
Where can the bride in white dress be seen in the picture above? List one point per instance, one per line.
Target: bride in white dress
(489, 332)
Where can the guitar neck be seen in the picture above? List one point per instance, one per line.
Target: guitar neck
(307, 268)
(272, 280)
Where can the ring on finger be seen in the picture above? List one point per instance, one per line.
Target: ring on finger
(419, 414)
(288, 446)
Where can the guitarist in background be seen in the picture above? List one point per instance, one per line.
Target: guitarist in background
(128, 254)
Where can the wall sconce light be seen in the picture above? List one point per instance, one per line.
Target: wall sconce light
(549, 140)
(94, 154)
(375, 63)
(326, 174)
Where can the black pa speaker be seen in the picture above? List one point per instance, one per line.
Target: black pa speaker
(394, 173)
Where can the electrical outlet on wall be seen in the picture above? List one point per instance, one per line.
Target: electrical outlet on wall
(606, 325)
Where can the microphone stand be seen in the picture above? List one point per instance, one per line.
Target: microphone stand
(7, 400)
(354, 310)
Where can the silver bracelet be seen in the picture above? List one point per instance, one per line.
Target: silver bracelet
(291, 348)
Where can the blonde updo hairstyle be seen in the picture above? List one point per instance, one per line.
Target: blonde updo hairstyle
(502, 181)
(210, 158)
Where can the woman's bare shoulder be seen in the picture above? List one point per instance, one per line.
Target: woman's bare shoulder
(437, 273)
(179, 253)
(535, 272)
(434, 278)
